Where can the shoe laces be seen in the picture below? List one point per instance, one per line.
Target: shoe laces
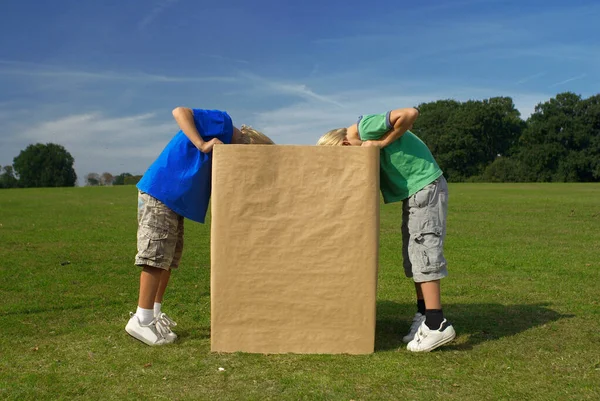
(164, 324)
(164, 319)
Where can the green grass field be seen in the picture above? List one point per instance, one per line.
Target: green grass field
(523, 294)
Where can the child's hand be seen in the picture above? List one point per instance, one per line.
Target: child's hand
(207, 147)
(376, 144)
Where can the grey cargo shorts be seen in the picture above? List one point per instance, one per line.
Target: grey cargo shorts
(423, 232)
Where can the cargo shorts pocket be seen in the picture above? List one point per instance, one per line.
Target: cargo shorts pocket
(155, 222)
(422, 197)
(428, 251)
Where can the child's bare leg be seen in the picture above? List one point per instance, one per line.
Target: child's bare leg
(162, 286)
(430, 292)
(149, 282)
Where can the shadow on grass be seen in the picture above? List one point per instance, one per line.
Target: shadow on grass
(480, 322)
(192, 334)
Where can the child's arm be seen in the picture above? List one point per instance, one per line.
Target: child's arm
(401, 121)
(185, 119)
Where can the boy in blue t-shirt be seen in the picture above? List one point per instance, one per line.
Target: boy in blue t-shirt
(176, 186)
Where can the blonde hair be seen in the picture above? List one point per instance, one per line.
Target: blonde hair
(250, 136)
(335, 137)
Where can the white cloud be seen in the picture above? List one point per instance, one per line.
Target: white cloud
(100, 143)
(223, 58)
(286, 88)
(50, 71)
(530, 77)
(568, 80)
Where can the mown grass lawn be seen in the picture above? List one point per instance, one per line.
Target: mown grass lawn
(523, 294)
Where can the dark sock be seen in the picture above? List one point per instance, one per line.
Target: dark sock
(421, 306)
(434, 318)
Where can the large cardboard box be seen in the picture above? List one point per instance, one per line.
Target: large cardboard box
(294, 249)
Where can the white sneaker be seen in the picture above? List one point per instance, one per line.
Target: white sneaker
(148, 334)
(417, 320)
(426, 339)
(163, 325)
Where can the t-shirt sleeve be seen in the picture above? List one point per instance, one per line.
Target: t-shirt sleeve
(373, 126)
(213, 124)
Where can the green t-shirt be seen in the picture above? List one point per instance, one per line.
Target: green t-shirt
(407, 164)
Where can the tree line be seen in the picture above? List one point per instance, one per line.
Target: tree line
(476, 141)
(488, 141)
(95, 179)
(51, 165)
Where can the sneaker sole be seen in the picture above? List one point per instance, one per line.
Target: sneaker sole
(140, 338)
(438, 344)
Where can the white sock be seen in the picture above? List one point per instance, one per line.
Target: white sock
(145, 316)
(157, 308)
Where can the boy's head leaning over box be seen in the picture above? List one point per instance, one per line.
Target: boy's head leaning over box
(249, 136)
(340, 137)
(335, 137)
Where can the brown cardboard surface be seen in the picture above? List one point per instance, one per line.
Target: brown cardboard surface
(294, 249)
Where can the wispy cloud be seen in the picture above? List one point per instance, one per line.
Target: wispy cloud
(101, 143)
(568, 80)
(285, 88)
(351, 39)
(530, 77)
(85, 127)
(453, 5)
(158, 8)
(302, 91)
(49, 71)
(223, 58)
(554, 51)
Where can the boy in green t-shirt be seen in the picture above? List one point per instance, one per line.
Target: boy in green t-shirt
(409, 173)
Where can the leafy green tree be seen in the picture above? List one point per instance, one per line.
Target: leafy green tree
(503, 169)
(132, 180)
(466, 137)
(45, 165)
(92, 180)
(588, 168)
(106, 179)
(562, 140)
(120, 179)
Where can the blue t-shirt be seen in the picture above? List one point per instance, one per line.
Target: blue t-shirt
(181, 175)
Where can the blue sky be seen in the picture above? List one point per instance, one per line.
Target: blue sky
(102, 77)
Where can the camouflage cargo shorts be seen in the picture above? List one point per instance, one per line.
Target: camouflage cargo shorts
(159, 235)
(424, 232)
